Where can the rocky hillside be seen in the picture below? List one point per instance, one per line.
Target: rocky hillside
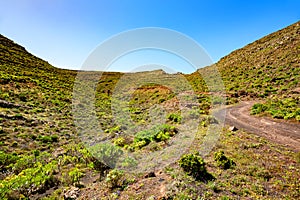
(270, 65)
(267, 70)
(14, 54)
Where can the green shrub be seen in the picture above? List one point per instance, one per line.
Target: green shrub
(174, 117)
(106, 153)
(28, 161)
(280, 108)
(157, 133)
(129, 162)
(120, 141)
(193, 165)
(278, 114)
(161, 100)
(54, 138)
(30, 180)
(14, 144)
(36, 153)
(8, 158)
(258, 108)
(1, 129)
(225, 198)
(264, 174)
(44, 139)
(113, 178)
(161, 136)
(18, 116)
(23, 97)
(139, 144)
(151, 134)
(115, 129)
(195, 113)
(146, 136)
(223, 161)
(75, 175)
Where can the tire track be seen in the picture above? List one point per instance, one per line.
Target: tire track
(279, 131)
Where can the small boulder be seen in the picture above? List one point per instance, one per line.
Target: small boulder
(149, 175)
(58, 152)
(233, 128)
(72, 193)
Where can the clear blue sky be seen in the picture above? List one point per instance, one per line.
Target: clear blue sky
(64, 32)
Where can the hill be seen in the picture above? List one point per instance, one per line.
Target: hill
(267, 66)
(266, 70)
(43, 157)
(269, 70)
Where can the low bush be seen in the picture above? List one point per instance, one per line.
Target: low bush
(193, 165)
(223, 161)
(280, 108)
(28, 161)
(44, 139)
(75, 175)
(139, 144)
(174, 117)
(129, 162)
(258, 108)
(1, 129)
(106, 153)
(30, 180)
(47, 139)
(113, 178)
(7, 158)
(54, 138)
(120, 141)
(157, 134)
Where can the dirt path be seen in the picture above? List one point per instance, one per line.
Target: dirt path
(282, 132)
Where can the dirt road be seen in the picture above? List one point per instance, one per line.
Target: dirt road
(279, 131)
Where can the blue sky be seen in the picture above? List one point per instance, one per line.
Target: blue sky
(65, 32)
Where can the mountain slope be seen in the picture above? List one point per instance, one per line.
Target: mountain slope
(266, 70)
(270, 65)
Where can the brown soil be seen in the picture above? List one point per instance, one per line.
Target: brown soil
(279, 131)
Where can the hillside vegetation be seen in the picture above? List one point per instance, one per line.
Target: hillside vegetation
(43, 157)
(268, 70)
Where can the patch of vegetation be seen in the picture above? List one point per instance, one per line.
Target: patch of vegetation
(157, 133)
(47, 138)
(120, 141)
(75, 175)
(194, 165)
(174, 117)
(106, 153)
(284, 108)
(223, 161)
(30, 180)
(7, 159)
(258, 108)
(113, 178)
